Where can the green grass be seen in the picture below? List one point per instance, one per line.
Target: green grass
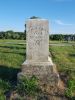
(63, 42)
(11, 58)
(13, 55)
(64, 58)
(14, 41)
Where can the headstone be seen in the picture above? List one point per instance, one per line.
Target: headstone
(37, 40)
(38, 62)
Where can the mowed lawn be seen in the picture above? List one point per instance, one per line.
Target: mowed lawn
(13, 54)
(64, 58)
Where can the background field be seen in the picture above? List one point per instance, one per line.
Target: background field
(13, 54)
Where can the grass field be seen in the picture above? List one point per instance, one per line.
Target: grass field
(64, 58)
(13, 54)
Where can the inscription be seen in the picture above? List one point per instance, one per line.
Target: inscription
(37, 38)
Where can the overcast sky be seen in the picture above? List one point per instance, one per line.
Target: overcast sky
(60, 13)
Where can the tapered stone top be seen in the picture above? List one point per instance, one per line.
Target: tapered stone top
(37, 38)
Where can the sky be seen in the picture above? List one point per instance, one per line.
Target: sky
(60, 13)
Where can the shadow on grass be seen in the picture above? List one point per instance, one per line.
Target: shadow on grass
(14, 52)
(72, 55)
(12, 47)
(9, 73)
(21, 44)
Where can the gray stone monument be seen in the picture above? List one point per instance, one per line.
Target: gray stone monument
(38, 62)
(37, 48)
(37, 40)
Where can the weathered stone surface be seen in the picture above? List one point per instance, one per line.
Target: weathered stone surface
(44, 73)
(38, 62)
(37, 40)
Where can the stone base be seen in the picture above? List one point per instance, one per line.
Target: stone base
(46, 73)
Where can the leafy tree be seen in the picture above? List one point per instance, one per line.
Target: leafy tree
(34, 17)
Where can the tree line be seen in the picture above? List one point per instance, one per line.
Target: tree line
(62, 37)
(22, 36)
(12, 35)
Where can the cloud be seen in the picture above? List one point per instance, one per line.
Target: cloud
(59, 22)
